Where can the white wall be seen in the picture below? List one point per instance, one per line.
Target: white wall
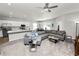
(68, 23)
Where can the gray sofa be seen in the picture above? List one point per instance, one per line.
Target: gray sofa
(58, 34)
(45, 34)
(41, 36)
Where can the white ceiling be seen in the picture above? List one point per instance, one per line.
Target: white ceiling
(31, 12)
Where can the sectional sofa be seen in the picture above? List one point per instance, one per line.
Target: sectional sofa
(42, 35)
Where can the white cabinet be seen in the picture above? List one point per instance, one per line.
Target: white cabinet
(1, 35)
(15, 35)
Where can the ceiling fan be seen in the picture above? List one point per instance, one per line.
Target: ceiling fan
(48, 8)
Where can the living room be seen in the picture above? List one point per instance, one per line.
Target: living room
(50, 26)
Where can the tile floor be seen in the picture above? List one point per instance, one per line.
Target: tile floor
(17, 48)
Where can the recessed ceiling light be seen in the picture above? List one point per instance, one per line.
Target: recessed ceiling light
(9, 4)
(10, 13)
(10, 16)
(24, 15)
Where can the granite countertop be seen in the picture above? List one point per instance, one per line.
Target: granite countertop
(17, 31)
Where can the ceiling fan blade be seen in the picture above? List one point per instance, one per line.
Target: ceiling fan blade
(53, 6)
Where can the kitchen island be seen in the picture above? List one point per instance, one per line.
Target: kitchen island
(17, 34)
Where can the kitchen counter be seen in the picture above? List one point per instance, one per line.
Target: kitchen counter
(17, 31)
(18, 34)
